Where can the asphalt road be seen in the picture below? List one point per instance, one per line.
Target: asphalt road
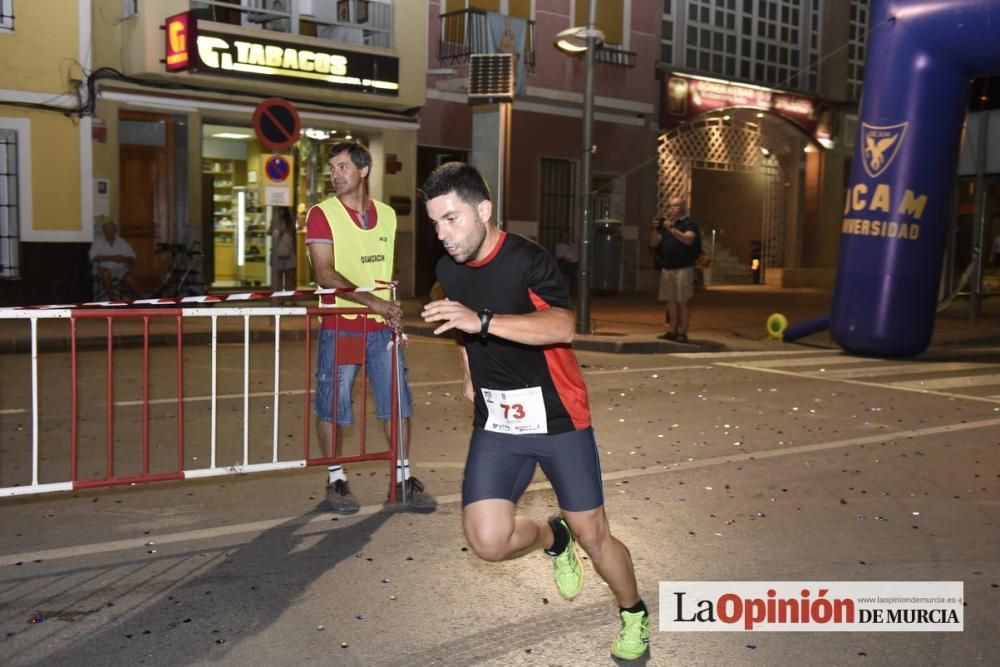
(778, 464)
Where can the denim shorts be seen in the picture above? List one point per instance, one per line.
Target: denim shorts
(378, 366)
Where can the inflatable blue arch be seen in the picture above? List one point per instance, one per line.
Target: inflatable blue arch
(922, 55)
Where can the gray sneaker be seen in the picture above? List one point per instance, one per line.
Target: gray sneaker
(416, 499)
(340, 499)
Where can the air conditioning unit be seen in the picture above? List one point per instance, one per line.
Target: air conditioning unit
(491, 78)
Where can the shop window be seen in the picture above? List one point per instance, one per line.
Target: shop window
(142, 132)
(7, 15)
(9, 210)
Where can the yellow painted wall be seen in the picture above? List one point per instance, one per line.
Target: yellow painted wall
(40, 55)
(108, 27)
(105, 158)
(410, 25)
(55, 169)
(609, 17)
(55, 172)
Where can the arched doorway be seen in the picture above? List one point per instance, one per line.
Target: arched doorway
(711, 146)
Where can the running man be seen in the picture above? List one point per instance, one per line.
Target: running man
(509, 308)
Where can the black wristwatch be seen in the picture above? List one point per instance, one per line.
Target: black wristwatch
(485, 316)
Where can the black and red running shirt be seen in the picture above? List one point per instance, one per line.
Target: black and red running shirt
(518, 277)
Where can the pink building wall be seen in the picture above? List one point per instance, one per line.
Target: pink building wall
(558, 81)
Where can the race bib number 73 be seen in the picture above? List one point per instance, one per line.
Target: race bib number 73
(518, 411)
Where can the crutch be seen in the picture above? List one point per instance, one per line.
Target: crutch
(397, 351)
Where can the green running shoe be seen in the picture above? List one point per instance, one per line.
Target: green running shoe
(568, 569)
(633, 640)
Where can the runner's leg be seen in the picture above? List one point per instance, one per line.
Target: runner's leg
(610, 557)
(495, 533)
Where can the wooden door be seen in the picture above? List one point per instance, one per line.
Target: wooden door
(145, 210)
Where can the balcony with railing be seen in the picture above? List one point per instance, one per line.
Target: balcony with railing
(614, 54)
(465, 32)
(367, 22)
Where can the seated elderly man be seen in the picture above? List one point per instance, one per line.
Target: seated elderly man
(113, 257)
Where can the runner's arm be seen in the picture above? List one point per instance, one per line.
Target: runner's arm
(549, 326)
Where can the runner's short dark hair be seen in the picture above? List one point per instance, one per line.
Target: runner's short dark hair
(459, 177)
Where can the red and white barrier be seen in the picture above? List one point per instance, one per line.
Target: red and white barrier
(146, 472)
(380, 285)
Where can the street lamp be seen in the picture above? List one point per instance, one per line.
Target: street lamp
(575, 41)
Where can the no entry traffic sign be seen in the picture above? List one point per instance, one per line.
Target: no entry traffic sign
(277, 123)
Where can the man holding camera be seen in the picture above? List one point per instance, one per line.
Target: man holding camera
(676, 242)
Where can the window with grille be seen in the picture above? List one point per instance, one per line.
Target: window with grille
(10, 266)
(557, 202)
(130, 8)
(856, 48)
(6, 15)
(772, 42)
(667, 34)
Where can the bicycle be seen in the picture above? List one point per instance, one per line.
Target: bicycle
(184, 276)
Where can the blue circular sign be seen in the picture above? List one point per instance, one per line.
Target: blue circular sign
(277, 168)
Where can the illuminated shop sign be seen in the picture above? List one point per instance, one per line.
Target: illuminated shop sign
(684, 97)
(272, 60)
(181, 35)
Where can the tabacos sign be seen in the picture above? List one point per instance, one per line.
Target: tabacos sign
(208, 52)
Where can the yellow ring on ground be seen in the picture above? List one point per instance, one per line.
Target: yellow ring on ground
(776, 325)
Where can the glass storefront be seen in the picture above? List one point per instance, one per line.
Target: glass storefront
(244, 184)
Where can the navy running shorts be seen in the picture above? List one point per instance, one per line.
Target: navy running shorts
(501, 465)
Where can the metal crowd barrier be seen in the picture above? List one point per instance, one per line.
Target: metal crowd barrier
(49, 396)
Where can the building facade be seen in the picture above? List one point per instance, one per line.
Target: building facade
(541, 197)
(758, 122)
(45, 151)
(784, 175)
(760, 149)
(143, 113)
(748, 108)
